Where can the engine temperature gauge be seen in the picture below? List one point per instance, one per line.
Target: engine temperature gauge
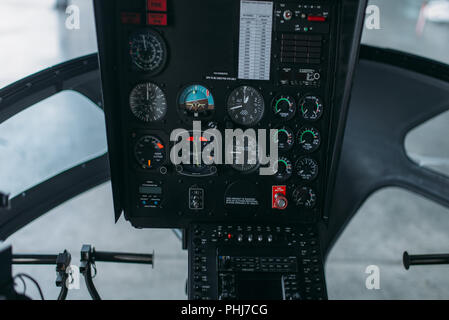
(309, 139)
(284, 107)
(283, 168)
(285, 139)
(311, 108)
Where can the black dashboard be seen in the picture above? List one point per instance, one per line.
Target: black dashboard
(197, 71)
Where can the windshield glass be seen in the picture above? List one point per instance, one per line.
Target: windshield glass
(413, 26)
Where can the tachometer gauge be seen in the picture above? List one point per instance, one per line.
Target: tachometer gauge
(148, 102)
(309, 139)
(285, 139)
(244, 154)
(149, 152)
(284, 107)
(306, 168)
(311, 108)
(283, 169)
(148, 51)
(196, 102)
(305, 197)
(246, 106)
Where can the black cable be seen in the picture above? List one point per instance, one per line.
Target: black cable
(23, 283)
(32, 280)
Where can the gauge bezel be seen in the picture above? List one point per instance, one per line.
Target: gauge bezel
(284, 178)
(315, 147)
(261, 115)
(274, 103)
(315, 176)
(287, 128)
(135, 138)
(184, 115)
(300, 103)
(135, 67)
(165, 97)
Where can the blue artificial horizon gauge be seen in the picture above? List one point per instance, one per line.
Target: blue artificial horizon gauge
(196, 101)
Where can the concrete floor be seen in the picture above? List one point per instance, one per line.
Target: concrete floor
(390, 222)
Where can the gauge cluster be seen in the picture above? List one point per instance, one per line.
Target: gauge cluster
(170, 72)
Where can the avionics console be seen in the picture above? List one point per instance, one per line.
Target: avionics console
(228, 65)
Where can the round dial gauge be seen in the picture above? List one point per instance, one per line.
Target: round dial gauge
(148, 51)
(306, 169)
(311, 108)
(305, 197)
(284, 107)
(149, 152)
(285, 139)
(283, 168)
(244, 154)
(246, 106)
(309, 139)
(148, 102)
(196, 102)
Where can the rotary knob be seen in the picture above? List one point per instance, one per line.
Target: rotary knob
(280, 202)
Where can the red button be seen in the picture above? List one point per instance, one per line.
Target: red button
(130, 18)
(157, 5)
(157, 19)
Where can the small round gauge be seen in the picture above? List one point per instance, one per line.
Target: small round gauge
(148, 51)
(246, 106)
(311, 108)
(306, 168)
(284, 107)
(283, 169)
(305, 197)
(149, 152)
(285, 139)
(196, 102)
(244, 154)
(148, 102)
(309, 139)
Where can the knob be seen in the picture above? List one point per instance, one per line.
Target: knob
(260, 238)
(270, 238)
(280, 202)
(250, 238)
(287, 15)
(226, 262)
(240, 238)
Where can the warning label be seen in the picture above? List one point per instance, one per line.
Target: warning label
(239, 201)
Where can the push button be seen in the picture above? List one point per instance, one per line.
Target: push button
(157, 19)
(157, 5)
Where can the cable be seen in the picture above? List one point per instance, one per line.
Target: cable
(24, 285)
(20, 275)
